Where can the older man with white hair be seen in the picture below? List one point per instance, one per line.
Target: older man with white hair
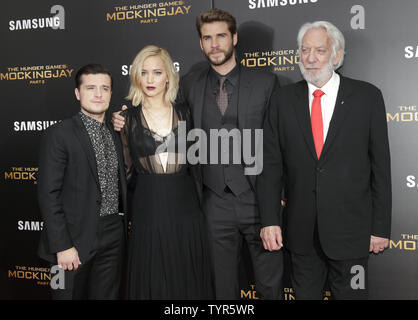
(326, 147)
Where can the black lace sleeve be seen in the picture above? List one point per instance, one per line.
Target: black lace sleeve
(125, 136)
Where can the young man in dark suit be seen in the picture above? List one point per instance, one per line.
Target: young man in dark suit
(226, 96)
(326, 146)
(82, 194)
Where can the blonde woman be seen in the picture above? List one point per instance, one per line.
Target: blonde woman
(168, 251)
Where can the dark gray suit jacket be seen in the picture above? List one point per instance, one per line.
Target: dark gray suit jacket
(255, 90)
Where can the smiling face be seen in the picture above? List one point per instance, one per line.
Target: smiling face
(154, 78)
(94, 94)
(217, 42)
(317, 63)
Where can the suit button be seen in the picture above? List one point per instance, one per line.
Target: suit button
(98, 201)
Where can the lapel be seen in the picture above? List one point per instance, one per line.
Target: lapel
(340, 111)
(301, 107)
(84, 138)
(244, 93)
(198, 97)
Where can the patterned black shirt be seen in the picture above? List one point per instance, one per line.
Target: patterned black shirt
(107, 164)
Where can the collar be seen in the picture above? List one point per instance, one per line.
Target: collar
(89, 121)
(329, 87)
(232, 76)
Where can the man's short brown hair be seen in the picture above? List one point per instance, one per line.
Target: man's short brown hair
(215, 15)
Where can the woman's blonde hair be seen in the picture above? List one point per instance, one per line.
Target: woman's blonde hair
(136, 95)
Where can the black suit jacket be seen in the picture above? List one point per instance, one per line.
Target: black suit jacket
(348, 190)
(68, 189)
(254, 92)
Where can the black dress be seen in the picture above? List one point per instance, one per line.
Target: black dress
(168, 255)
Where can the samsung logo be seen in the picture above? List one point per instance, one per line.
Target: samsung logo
(55, 22)
(411, 52)
(126, 69)
(256, 4)
(30, 225)
(32, 125)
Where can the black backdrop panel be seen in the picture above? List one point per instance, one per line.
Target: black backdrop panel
(38, 64)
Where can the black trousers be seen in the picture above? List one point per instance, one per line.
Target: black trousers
(347, 279)
(99, 277)
(232, 220)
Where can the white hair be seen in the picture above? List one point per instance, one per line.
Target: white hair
(334, 34)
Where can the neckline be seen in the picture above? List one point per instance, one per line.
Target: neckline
(155, 132)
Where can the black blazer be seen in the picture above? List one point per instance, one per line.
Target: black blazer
(348, 190)
(255, 90)
(68, 189)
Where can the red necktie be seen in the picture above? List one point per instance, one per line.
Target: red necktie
(316, 122)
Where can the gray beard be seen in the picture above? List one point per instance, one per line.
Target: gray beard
(321, 77)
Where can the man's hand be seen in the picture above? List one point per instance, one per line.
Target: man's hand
(68, 259)
(272, 238)
(117, 120)
(378, 244)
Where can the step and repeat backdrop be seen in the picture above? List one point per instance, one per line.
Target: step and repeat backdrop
(45, 42)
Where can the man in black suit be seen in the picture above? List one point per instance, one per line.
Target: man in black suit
(326, 147)
(82, 194)
(227, 97)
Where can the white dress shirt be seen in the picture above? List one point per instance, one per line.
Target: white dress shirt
(328, 100)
